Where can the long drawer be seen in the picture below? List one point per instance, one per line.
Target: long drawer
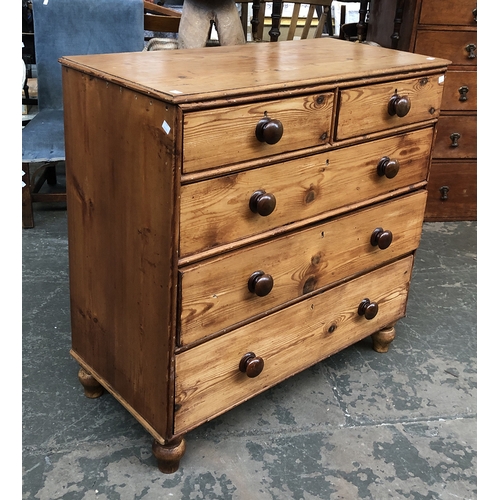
(217, 293)
(301, 189)
(208, 377)
(223, 136)
(458, 46)
(373, 108)
(449, 12)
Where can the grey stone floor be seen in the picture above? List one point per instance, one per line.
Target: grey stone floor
(359, 425)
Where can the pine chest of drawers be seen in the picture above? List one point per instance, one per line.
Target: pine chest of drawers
(236, 214)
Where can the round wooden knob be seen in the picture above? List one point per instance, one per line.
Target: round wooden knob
(381, 238)
(262, 203)
(251, 364)
(269, 130)
(260, 283)
(399, 105)
(368, 309)
(388, 167)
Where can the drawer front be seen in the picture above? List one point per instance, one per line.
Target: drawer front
(216, 293)
(460, 47)
(208, 380)
(424, 95)
(223, 136)
(301, 188)
(456, 137)
(449, 12)
(452, 191)
(460, 91)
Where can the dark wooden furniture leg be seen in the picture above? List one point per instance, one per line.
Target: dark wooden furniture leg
(398, 19)
(255, 18)
(363, 9)
(274, 33)
(169, 454)
(27, 211)
(383, 338)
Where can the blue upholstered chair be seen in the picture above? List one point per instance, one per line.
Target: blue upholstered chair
(67, 27)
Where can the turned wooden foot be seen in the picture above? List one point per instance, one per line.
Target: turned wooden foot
(383, 338)
(93, 389)
(169, 454)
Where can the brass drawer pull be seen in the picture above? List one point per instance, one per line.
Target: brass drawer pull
(251, 364)
(474, 14)
(463, 91)
(368, 309)
(444, 192)
(262, 203)
(471, 49)
(381, 238)
(399, 105)
(388, 167)
(454, 139)
(269, 130)
(260, 283)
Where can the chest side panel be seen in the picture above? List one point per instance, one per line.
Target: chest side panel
(122, 238)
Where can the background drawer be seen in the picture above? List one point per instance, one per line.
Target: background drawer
(354, 120)
(215, 293)
(302, 188)
(208, 380)
(448, 12)
(452, 191)
(460, 84)
(450, 45)
(223, 136)
(466, 144)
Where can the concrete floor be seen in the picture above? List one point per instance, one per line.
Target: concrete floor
(359, 425)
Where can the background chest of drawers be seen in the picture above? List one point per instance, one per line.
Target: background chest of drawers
(228, 229)
(448, 29)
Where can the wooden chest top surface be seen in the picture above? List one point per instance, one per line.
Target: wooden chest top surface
(222, 72)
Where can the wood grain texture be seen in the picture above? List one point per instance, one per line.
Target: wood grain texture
(354, 120)
(455, 80)
(447, 44)
(122, 238)
(215, 293)
(466, 126)
(448, 12)
(460, 177)
(230, 71)
(304, 188)
(208, 379)
(224, 136)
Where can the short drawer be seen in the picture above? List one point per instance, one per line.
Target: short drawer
(374, 108)
(456, 137)
(208, 378)
(301, 189)
(452, 191)
(460, 91)
(460, 47)
(228, 135)
(221, 292)
(449, 12)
